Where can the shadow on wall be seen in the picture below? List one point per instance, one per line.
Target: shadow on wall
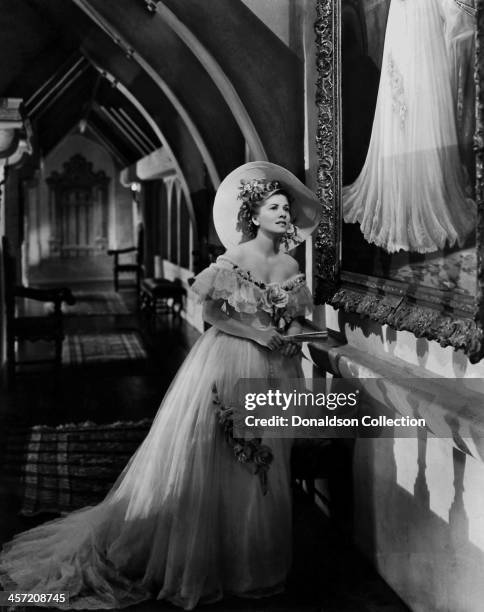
(418, 524)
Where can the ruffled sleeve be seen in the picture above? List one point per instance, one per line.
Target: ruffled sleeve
(221, 281)
(225, 281)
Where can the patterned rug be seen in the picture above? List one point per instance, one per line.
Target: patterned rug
(58, 469)
(92, 349)
(93, 303)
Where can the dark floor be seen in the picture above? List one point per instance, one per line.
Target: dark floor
(328, 574)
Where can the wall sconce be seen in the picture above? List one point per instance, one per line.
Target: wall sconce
(82, 125)
(136, 192)
(122, 44)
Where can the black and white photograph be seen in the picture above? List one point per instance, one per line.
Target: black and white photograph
(242, 305)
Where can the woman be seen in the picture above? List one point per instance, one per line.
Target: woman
(198, 513)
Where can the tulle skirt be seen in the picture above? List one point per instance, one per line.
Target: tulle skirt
(185, 521)
(413, 192)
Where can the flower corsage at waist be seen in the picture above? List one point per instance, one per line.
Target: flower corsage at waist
(250, 451)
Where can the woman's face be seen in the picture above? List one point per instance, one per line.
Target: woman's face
(274, 215)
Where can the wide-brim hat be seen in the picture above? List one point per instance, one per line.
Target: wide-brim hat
(305, 206)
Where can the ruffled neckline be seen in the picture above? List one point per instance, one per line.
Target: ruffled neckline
(225, 280)
(247, 275)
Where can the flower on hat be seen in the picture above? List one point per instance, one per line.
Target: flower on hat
(255, 190)
(291, 238)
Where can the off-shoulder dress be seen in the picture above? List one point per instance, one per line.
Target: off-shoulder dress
(186, 521)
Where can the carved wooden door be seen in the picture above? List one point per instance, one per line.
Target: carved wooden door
(78, 209)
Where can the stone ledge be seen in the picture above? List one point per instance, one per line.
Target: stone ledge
(452, 408)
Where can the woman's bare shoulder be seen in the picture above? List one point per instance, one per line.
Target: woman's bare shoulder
(237, 254)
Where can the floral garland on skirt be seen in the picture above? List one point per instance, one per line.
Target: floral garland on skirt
(249, 451)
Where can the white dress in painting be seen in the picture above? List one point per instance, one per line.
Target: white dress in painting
(413, 192)
(186, 521)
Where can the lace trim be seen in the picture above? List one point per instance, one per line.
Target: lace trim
(244, 294)
(398, 92)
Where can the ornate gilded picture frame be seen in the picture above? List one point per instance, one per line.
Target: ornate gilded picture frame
(400, 175)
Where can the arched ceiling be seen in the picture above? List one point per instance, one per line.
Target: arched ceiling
(55, 53)
(60, 87)
(267, 75)
(180, 76)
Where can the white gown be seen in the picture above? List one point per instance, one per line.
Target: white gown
(413, 192)
(185, 521)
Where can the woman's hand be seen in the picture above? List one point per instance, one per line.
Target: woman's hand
(290, 349)
(269, 338)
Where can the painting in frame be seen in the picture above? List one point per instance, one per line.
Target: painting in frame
(400, 145)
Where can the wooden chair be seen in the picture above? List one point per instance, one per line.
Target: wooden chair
(155, 294)
(135, 267)
(48, 327)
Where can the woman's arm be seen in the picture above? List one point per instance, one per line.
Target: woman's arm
(214, 315)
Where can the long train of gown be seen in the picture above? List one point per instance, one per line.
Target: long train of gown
(413, 192)
(185, 521)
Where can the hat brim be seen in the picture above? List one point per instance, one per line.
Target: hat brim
(305, 206)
